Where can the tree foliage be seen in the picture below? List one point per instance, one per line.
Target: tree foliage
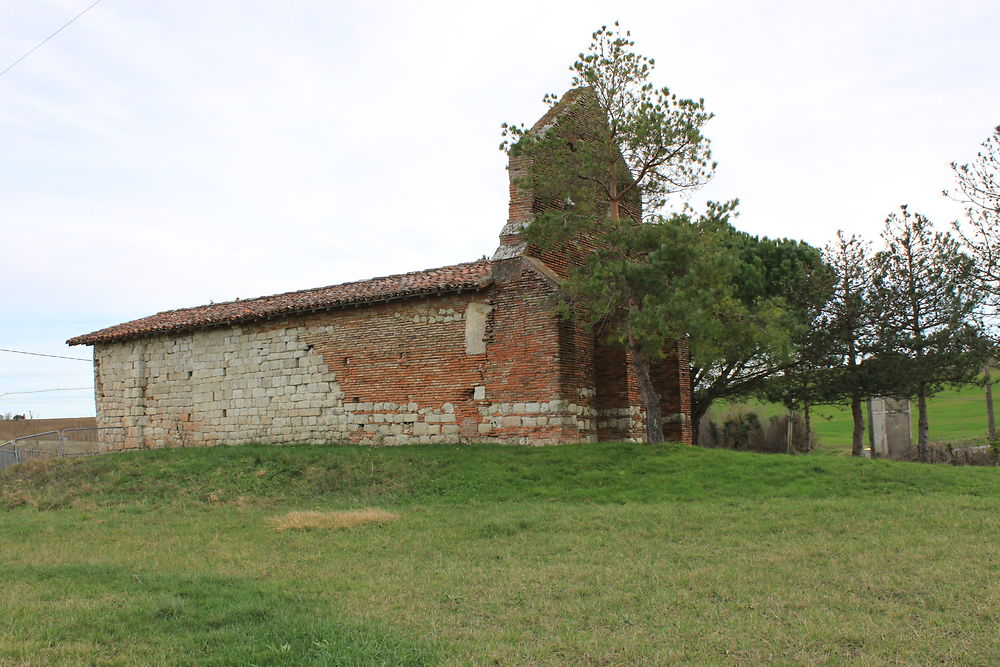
(775, 286)
(658, 282)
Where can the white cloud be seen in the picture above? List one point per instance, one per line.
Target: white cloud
(160, 155)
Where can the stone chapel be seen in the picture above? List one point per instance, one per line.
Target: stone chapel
(466, 353)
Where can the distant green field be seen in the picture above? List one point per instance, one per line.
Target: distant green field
(956, 416)
(609, 554)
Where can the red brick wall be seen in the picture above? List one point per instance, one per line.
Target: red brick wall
(672, 381)
(381, 355)
(612, 385)
(532, 374)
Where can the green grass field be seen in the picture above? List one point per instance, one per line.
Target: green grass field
(956, 415)
(579, 554)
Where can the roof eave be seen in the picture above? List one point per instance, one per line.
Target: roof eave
(90, 339)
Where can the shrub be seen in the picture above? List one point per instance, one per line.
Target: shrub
(745, 431)
(945, 452)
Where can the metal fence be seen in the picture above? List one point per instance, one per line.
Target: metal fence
(60, 444)
(8, 455)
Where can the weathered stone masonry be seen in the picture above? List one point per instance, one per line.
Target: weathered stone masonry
(469, 353)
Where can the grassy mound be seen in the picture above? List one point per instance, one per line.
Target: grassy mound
(579, 554)
(594, 473)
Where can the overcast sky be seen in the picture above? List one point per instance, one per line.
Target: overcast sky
(159, 155)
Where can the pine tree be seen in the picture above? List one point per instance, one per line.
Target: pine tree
(608, 175)
(850, 318)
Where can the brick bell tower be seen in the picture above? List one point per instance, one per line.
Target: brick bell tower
(597, 371)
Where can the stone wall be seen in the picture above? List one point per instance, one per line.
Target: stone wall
(483, 366)
(369, 374)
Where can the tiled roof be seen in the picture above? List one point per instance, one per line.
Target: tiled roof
(471, 275)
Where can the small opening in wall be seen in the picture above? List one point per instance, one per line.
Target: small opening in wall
(347, 361)
(360, 426)
(190, 374)
(355, 400)
(225, 413)
(472, 392)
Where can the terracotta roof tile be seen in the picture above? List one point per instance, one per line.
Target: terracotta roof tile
(472, 275)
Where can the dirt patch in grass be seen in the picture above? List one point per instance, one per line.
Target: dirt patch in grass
(331, 520)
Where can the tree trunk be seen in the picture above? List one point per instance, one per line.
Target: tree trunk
(789, 431)
(698, 411)
(991, 424)
(650, 399)
(808, 424)
(614, 210)
(922, 446)
(858, 434)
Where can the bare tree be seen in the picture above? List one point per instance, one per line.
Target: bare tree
(979, 190)
(927, 296)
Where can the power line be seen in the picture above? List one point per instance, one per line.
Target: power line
(39, 354)
(80, 372)
(37, 46)
(43, 391)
